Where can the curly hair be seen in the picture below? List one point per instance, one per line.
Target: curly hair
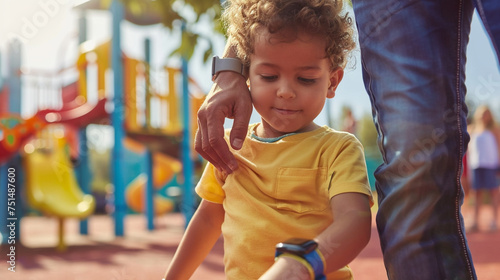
(245, 18)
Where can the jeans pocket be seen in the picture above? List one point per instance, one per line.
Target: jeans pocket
(302, 190)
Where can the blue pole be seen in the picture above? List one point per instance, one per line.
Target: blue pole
(84, 174)
(117, 119)
(14, 80)
(14, 83)
(11, 206)
(3, 185)
(4, 231)
(82, 27)
(83, 169)
(187, 163)
(149, 192)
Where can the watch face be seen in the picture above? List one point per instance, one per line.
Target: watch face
(297, 246)
(214, 60)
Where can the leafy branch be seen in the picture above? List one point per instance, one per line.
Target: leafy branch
(186, 12)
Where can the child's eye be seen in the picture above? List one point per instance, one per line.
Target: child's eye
(307, 81)
(269, 78)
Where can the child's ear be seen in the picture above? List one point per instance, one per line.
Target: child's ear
(336, 76)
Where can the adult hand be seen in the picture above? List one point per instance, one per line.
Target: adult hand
(228, 98)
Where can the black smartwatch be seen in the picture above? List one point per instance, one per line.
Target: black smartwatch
(305, 249)
(227, 64)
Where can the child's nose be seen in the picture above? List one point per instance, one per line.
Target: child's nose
(285, 91)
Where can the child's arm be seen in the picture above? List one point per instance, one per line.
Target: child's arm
(199, 238)
(340, 243)
(344, 239)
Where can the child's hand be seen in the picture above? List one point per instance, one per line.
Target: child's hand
(286, 269)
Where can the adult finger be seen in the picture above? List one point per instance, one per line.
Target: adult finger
(217, 145)
(203, 145)
(243, 112)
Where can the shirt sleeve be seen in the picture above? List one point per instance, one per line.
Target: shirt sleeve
(348, 170)
(209, 186)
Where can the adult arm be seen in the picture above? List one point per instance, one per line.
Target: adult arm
(339, 243)
(228, 98)
(201, 235)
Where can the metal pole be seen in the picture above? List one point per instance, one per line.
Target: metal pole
(187, 163)
(14, 84)
(117, 119)
(83, 169)
(14, 74)
(149, 191)
(4, 231)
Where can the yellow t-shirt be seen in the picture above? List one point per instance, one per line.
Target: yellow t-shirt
(282, 190)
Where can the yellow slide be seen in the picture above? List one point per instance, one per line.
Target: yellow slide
(51, 186)
(135, 197)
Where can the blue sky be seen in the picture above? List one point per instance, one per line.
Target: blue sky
(48, 30)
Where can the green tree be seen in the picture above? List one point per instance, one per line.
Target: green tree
(367, 134)
(183, 14)
(187, 12)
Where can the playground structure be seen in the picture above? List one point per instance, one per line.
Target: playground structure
(122, 95)
(164, 169)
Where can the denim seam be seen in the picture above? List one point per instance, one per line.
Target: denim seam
(382, 21)
(460, 134)
(482, 15)
(480, 11)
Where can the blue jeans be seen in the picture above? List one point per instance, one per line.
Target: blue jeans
(413, 58)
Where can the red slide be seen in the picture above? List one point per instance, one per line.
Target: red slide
(15, 131)
(80, 115)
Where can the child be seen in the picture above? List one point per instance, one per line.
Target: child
(483, 159)
(298, 184)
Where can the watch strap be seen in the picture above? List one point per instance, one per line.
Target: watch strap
(314, 261)
(227, 64)
(317, 262)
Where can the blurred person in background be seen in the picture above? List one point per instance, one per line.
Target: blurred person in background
(484, 160)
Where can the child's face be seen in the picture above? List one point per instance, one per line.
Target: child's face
(289, 83)
(483, 115)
